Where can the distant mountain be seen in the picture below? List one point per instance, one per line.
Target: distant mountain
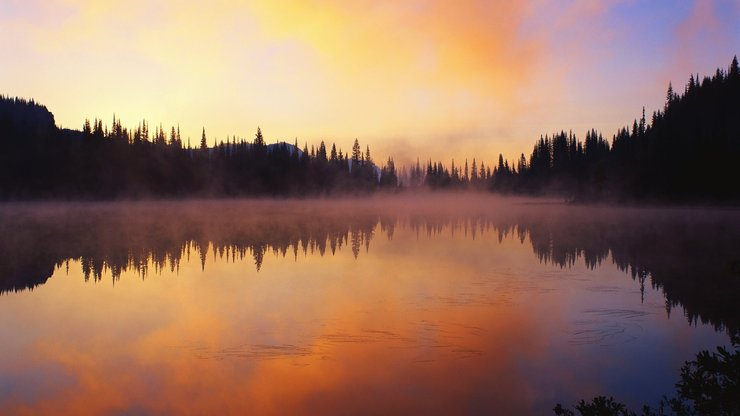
(291, 148)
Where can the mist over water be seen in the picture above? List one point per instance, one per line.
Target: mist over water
(439, 304)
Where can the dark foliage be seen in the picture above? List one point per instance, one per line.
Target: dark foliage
(599, 406)
(709, 385)
(687, 152)
(41, 161)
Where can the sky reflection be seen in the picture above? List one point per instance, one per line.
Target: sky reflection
(432, 322)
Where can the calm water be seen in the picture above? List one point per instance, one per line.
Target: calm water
(441, 305)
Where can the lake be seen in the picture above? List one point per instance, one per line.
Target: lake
(446, 304)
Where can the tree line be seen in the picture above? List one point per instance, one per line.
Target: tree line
(436, 176)
(40, 160)
(688, 151)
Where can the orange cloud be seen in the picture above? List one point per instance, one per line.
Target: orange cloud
(434, 78)
(316, 69)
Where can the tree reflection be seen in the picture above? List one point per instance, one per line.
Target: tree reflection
(691, 255)
(118, 239)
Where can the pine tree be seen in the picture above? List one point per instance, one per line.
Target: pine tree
(145, 131)
(322, 152)
(203, 142)
(259, 141)
(670, 96)
(356, 151)
(522, 164)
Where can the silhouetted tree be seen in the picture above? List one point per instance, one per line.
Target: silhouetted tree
(259, 141)
(688, 152)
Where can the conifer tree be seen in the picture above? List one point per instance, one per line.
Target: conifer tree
(356, 151)
(259, 141)
(333, 155)
(670, 95)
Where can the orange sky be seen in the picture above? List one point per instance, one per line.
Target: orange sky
(436, 78)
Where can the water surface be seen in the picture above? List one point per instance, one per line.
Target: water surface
(437, 305)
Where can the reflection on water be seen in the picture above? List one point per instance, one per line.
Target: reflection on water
(441, 306)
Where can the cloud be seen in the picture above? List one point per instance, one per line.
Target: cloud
(706, 35)
(700, 27)
(443, 76)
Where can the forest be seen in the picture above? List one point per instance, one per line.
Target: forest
(41, 161)
(686, 152)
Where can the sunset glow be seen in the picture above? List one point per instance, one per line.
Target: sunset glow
(433, 79)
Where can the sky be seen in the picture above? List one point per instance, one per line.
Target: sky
(434, 79)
